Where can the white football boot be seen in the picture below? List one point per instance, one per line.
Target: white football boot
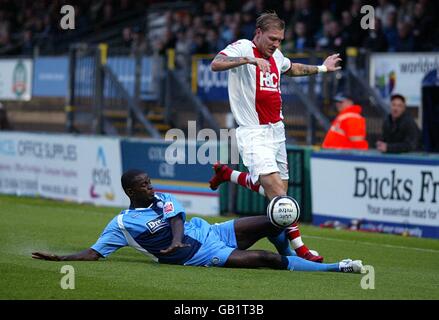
(347, 265)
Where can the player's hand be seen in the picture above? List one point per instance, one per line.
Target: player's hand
(331, 62)
(263, 64)
(45, 256)
(174, 247)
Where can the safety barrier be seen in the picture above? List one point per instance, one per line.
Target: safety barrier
(354, 190)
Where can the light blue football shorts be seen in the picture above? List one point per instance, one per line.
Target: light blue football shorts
(218, 241)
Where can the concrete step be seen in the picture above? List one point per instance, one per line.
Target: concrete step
(295, 121)
(159, 126)
(122, 115)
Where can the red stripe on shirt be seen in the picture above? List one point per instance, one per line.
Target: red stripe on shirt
(268, 100)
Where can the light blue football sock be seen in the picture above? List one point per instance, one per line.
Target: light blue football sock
(299, 264)
(282, 244)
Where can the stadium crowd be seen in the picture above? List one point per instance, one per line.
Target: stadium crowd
(333, 25)
(26, 24)
(208, 26)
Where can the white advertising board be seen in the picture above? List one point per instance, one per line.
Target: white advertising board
(385, 193)
(16, 79)
(81, 169)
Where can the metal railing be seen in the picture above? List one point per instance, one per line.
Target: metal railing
(94, 90)
(180, 102)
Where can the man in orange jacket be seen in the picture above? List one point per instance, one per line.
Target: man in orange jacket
(348, 131)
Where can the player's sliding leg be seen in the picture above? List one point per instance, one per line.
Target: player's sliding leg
(282, 244)
(265, 259)
(274, 186)
(224, 174)
(249, 230)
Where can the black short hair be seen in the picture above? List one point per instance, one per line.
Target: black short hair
(129, 176)
(397, 96)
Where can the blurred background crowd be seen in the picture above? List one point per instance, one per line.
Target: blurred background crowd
(208, 26)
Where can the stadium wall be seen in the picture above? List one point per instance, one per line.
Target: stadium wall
(360, 191)
(87, 169)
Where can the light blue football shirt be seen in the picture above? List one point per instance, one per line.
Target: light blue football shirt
(149, 231)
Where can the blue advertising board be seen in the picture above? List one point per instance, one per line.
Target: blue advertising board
(124, 69)
(50, 76)
(187, 182)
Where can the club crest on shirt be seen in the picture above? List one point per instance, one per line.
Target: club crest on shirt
(168, 207)
(159, 204)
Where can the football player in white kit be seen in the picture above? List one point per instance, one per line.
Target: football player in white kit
(255, 68)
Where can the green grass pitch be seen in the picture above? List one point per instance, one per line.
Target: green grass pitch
(405, 268)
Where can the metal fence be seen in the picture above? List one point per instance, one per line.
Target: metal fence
(105, 84)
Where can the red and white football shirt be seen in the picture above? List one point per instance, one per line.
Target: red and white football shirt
(255, 97)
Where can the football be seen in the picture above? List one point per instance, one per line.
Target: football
(283, 211)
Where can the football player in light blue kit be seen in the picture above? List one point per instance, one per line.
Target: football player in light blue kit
(155, 224)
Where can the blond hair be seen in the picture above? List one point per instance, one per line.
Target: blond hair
(269, 20)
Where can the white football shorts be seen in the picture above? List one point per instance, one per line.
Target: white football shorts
(263, 150)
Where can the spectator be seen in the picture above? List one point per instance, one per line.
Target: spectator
(400, 132)
(4, 28)
(138, 45)
(226, 31)
(287, 11)
(336, 41)
(305, 12)
(124, 5)
(247, 27)
(127, 39)
(322, 35)
(391, 31)
(212, 41)
(217, 20)
(348, 131)
(4, 121)
(288, 43)
(107, 12)
(376, 40)
(323, 41)
(351, 31)
(405, 41)
(27, 46)
(200, 45)
(182, 49)
(355, 11)
(383, 10)
(406, 10)
(423, 26)
(301, 39)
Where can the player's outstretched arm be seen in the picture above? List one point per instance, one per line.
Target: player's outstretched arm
(223, 63)
(86, 255)
(301, 70)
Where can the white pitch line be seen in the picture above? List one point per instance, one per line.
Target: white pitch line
(374, 244)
